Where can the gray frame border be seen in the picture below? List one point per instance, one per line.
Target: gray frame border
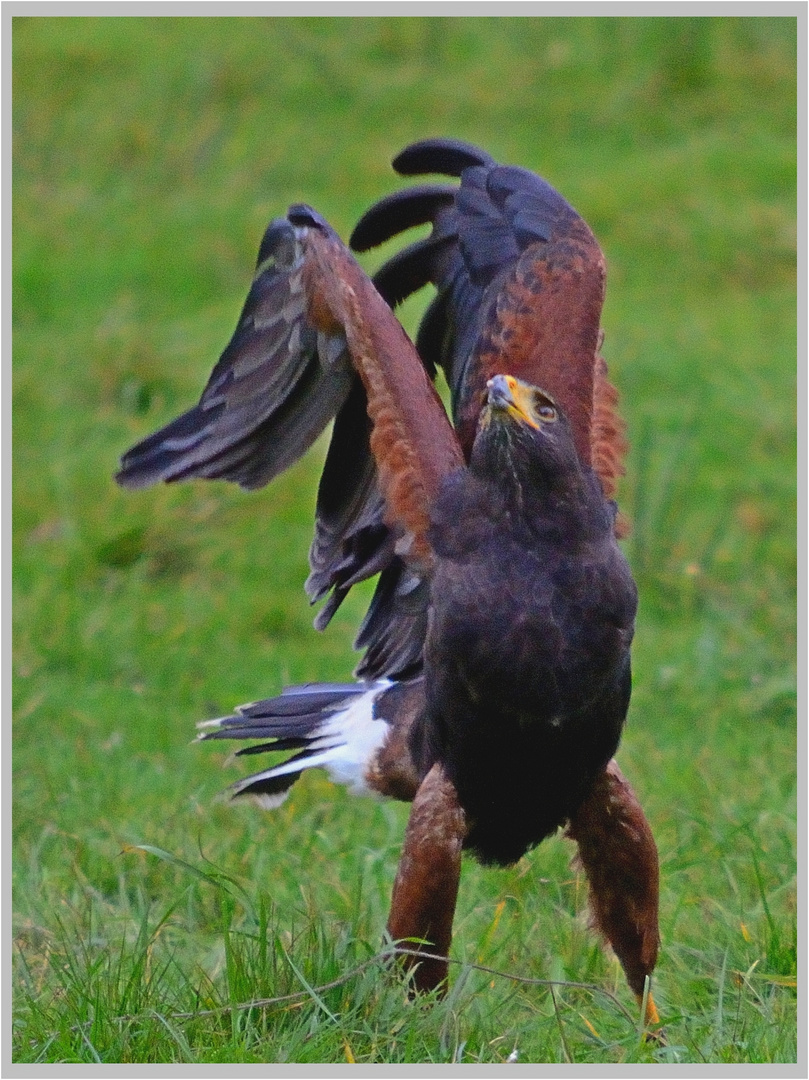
(457, 8)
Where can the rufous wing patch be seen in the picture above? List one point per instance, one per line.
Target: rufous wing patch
(412, 440)
(543, 328)
(609, 443)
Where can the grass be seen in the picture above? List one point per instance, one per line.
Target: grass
(148, 156)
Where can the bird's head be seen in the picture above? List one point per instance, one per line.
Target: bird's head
(523, 432)
(507, 398)
(525, 454)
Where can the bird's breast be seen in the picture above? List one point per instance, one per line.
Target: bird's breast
(523, 633)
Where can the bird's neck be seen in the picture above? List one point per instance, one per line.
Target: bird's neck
(550, 496)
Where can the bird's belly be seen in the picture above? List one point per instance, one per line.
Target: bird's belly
(525, 711)
(520, 775)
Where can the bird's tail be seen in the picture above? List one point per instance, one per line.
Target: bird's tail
(331, 725)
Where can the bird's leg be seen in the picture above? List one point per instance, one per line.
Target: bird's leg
(619, 856)
(426, 886)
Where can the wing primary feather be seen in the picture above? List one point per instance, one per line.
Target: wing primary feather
(351, 540)
(432, 332)
(269, 396)
(448, 157)
(410, 269)
(400, 211)
(395, 625)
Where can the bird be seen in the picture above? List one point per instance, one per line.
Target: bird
(496, 675)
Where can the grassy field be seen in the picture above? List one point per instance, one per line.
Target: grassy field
(148, 156)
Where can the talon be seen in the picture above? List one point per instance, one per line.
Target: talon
(655, 1032)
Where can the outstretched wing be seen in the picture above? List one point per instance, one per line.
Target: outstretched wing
(312, 319)
(413, 443)
(520, 287)
(519, 281)
(273, 391)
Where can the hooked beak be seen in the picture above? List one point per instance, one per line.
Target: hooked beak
(509, 396)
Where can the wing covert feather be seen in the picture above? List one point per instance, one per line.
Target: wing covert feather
(542, 328)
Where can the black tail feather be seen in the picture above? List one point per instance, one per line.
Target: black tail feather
(318, 722)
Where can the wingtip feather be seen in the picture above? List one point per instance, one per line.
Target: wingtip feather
(449, 157)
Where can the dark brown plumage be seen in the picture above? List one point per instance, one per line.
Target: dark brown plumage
(496, 674)
(532, 614)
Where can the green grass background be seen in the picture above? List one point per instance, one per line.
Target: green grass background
(148, 156)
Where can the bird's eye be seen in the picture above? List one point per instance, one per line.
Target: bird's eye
(546, 412)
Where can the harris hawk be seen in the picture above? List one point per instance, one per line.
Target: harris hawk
(495, 678)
